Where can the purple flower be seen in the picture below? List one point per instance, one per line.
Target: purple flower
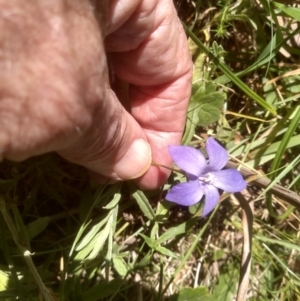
(205, 178)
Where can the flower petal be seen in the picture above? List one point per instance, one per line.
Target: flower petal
(229, 180)
(211, 199)
(188, 159)
(185, 194)
(217, 155)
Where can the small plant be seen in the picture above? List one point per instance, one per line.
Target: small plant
(64, 237)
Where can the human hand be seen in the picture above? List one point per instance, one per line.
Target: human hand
(56, 95)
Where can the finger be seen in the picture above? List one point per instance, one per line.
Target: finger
(63, 101)
(162, 118)
(49, 54)
(115, 146)
(159, 71)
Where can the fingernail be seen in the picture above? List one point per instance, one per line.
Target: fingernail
(136, 161)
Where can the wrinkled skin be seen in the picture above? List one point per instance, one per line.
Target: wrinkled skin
(55, 92)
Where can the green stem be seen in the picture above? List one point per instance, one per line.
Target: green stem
(26, 253)
(164, 166)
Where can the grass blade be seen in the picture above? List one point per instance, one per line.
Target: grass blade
(232, 76)
(281, 149)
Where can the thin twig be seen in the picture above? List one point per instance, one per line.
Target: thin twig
(247, 221)
(26, 253)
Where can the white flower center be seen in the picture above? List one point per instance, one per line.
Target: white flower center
(207, 178)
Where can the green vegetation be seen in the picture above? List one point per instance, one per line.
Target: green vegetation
(65, 238)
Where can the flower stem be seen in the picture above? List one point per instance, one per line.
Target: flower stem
(169, 168)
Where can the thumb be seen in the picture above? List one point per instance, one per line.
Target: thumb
(132, 156)
(115, 146)
(135, 162)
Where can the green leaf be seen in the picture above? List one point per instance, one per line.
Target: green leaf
(94, 245)
(225, 289)
(174, 231)
(215, 99)
(37, 226)
(193, 294)
(91, 234)
(285, 244)
(154, 231)
(191, 123)
(19, 224)
(113, 202)
(279, 153)
(285, 140)
(231, 75)
(13, 279)
(145, 260)
(144, 204)
(4, 281)
(206, 92)
(84, 253)
(165, 251)
(101, 238)
(162, 210)
(199, 61)
(218, 255)
(198, 90)
(112, 233)
(204, 107)
(151, 243)
(208, 114)
(281, 262)
(78, 236)
(293, 12)
(120, 266)
(210, 104)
